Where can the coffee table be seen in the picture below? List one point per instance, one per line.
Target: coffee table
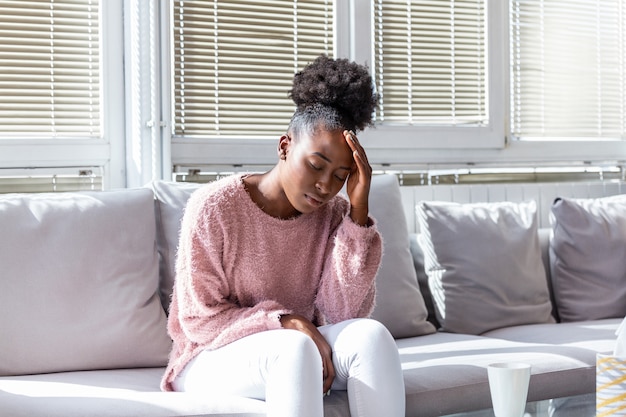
(576, 406)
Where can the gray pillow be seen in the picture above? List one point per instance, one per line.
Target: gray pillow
(170, 201)
(484, 265)
(399, 302)
(422, 278)
(588, 257)
(79, 283)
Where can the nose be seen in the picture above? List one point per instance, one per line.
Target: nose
(322, 185)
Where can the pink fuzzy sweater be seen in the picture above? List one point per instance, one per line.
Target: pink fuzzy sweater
(239, 269)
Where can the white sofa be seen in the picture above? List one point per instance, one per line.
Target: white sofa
(86, 279)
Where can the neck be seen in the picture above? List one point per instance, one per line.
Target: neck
(267, 192)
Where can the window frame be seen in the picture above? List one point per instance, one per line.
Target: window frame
(392, 147)
(490, 136)
(353, 37)
(107, 152)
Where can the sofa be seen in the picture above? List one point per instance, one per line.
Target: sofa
(87, 277)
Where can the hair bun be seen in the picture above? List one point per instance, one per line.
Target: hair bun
(338, 83)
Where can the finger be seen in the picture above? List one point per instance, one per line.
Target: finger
(355, 145)
(329, 375)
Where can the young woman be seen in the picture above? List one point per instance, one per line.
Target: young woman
(275, 271)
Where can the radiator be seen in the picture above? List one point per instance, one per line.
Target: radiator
(543, 193)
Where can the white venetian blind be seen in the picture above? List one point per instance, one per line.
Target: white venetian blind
(234, 62)
(430, 61)
(49, 68)
(39, 181)
(568, 68)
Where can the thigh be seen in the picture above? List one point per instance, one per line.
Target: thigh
(238, 368)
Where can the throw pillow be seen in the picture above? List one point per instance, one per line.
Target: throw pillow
(399, 302)
(484, 265)
(170, 201)
(422, 278)
(588, 257)
(79, 283)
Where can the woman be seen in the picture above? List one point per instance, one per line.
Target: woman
(275, 271)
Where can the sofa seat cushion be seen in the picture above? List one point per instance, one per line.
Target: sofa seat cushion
(446, 373)
(597, 335)
(125, 393)
(120, 392)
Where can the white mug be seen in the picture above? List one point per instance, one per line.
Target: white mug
(508, 383)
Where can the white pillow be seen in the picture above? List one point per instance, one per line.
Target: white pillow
(588, 257)
(484, 265)
(79, 283)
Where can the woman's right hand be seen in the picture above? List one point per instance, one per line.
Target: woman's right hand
(300, 323)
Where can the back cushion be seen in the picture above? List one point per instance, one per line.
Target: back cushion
(484, 264)
(588, 257)
(170, 200)
(79, 283)
(399, 303)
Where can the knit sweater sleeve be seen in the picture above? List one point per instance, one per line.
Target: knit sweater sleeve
(207, 312)
(347, 289)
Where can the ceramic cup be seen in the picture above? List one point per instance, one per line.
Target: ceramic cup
(508, 383)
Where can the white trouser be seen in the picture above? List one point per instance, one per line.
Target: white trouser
(284, 368)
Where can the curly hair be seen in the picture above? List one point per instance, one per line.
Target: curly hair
(332, 94)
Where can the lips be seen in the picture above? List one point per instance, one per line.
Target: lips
(313, 201)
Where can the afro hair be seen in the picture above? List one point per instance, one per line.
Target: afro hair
(339, 84)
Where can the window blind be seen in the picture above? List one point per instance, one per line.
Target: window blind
(234, 62)
(568, 68)
(83, 179)
(49, 68)
(430, 61)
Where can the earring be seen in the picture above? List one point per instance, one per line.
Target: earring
(283, 155)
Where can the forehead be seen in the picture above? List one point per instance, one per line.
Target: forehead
(331, 144)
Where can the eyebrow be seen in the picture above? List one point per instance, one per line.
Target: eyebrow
(325, 158)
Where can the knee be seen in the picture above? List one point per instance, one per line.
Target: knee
(297, 348)
(366, 331)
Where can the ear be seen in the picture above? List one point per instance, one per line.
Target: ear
(283, 146)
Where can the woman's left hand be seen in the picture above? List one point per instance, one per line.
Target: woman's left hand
(359, 180)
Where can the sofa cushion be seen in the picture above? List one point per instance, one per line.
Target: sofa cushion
(422, 277)
(399, 303)
(588, 257)
(113, 393)
(484, 265)
(446, 373)
(594, 335)
(79, 288)
(170, 201)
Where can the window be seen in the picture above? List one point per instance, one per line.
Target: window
(436, 65)
(234, 62)
(62, 90)
(431, 62)
(568, 69)
(49, 69)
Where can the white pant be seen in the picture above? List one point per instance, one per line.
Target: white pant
(284, 368)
